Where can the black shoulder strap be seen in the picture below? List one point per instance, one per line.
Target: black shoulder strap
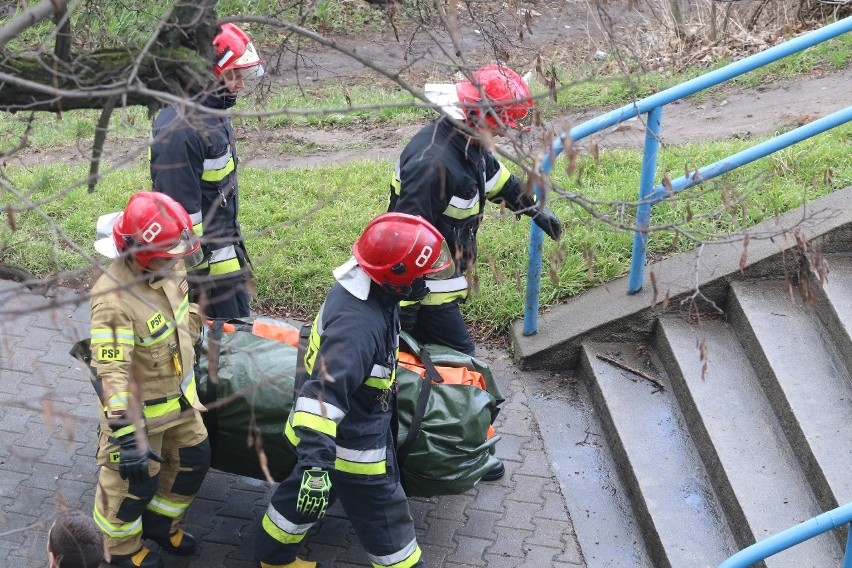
(420, 408)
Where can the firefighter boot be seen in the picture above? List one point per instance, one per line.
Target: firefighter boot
(173, 540)
(495, 472)
(142, 558)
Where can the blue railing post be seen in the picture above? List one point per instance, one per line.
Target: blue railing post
(643, 210)
(536, 239)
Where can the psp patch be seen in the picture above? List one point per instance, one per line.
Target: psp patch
(110, 353)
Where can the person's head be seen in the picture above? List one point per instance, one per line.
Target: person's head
(74, 541)
(495, 99)
(396, 249)
(155, 230)
(237, 60)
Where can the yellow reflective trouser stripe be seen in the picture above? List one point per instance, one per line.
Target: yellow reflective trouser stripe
(405, 558)
(225, 267)
(373, 468)
(117, 531)
(107, 335)
(314, 422)
(167, 508)
(218, 174)
(281, 529)
(495, 185)
(158, 410)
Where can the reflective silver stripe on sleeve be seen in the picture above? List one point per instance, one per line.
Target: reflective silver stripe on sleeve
(314, 406)
(460, 203)
(196, 217)
(217, 163)
(222, 254)
(450, 285)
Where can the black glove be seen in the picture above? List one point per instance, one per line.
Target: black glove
(133, 462)
(408, 317)
(547, 220)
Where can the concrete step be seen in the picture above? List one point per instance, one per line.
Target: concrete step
(804, 376)
(674, 501)
(607, 532)
(835, 304)
(754, 470)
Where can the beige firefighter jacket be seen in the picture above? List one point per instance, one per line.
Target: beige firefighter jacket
(143, 334)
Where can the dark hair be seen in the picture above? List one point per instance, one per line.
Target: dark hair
(75, 541)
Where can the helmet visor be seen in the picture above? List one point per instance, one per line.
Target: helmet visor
(443, 267)
(188, 247)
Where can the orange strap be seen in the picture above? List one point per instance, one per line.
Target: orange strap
(451, 375)
(267, 329)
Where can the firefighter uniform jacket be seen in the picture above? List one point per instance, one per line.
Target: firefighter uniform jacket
(194, 160)
(142, 345)
(341, 416)
(445, 178)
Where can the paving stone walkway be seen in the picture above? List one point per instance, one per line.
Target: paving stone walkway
(48, 416)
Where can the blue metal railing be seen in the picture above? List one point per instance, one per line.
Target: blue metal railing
(649, 194)
(795, 535)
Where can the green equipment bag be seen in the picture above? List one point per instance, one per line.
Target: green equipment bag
(443, 439)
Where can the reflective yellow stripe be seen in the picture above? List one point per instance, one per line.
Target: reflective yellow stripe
(457, 213)
(160, 410)
(197, 220)
(167, 508)
(217, 173)
(124, 431)
(107, 335)
(226, 267)
(377, 383)
(189, 387)
(116, 531)
(405, 558)
(314, 422)
(291, 434)
(495, 185)
(282, 530)
(313, 342)
(118, 401)
(396, 183)
(376, 468)
(361, 462)
(443, 298)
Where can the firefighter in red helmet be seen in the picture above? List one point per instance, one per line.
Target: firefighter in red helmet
(340, 423)
(194, 160)
(153, 449)
(446, 174)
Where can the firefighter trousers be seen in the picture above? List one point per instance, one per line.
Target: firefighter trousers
(124, 509)
(443, 325)
(379, 514)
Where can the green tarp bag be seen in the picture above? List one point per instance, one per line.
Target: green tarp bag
(253, 393)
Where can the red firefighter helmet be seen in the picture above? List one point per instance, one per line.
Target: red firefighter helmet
(234, 50)
(397, 248)
(507, 94)
(153, 225)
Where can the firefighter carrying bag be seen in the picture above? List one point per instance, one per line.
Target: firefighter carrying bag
(246, 373)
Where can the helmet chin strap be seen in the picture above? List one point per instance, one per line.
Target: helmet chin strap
(415, 292)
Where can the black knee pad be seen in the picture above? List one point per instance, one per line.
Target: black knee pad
(197, 458)
(131, 509)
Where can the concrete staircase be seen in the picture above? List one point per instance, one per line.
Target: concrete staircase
(717, 424)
